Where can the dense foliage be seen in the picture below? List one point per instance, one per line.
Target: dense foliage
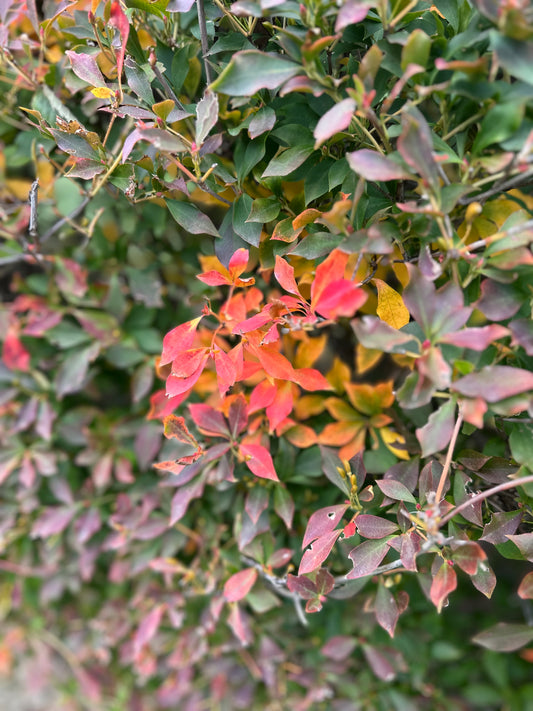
(266, 392)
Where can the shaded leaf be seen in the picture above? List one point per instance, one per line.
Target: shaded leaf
(444, 583)
(191, 219)
(370, 526)
(395, 490)
(504, 637)
(525, 589)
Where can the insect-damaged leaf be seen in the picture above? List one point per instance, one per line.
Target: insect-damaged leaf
(240, 584)
(366, 557)
(318, 552)
(323, 521)
(251, 70)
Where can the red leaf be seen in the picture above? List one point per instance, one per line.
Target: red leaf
(238, 415)
(238, 263)
(189, 361)
(259, 461)
(176, 386)
(119, 20)
(262, 396)
(323, 521)
(330, 270)
(376, 527)
(468, 557)
(366, 557)
(281, 406)
(274, 363)
(14, 355)
(161, 405)
(301, 585)
(311, 379)
(178, 340)
(410, 546)
(339, 298)
(444, 583)
(240, 584)
(317, 552)
(210, 421)
(284, 273)
(213, 278)
(226, 371)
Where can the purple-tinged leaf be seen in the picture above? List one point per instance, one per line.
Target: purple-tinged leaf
(504, 637)
(74, 145)
(208, 420)
(148, 628)
(183, 497)
(499, 301)
(317, 552)
(416, 147)
(371, 165)
(206, 116)
(525, 589)
(87, 525)
(86, 169)
(251, 70)
(179, 5)
(147, 443)
(339, 647)
(333, 121)
(410, 547)
(239, 623)
(52, 521)
(71, 374)
(495, 382)
(238, 415)
(444, 583)
(284, 505)
(370, 526)
(477, 339)
(374, 333)
(323, 521)
(366, 557)
(395, 490)
(429, 268)
(484, 580)
(161, 140)
(351, 12)
(85, 67)
(379, 663)
(500, 526)
(522, 331)
(256, 502)
(405, 472)
(240, 584)
(324, 581)
(435, 435)
(249, 531)
(386, 610)
(524, 542)
(301, 585)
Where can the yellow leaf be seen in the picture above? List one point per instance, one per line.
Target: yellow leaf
(394, 442)
(391, 308)
(339, 375)
(309, 351)
(366, 358)
(102, 92)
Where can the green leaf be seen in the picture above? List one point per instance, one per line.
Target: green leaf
(251, 70)
(250, 232)
(67, 196)
(264, 210)
(499, 123)
(514, 56)
(504, 637)
(191, 219)
(287, 161)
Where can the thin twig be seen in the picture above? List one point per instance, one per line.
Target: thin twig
(485, 495)
(203, 39)
(517, 181)
(448, 461)
(32, 198)
(65, 220)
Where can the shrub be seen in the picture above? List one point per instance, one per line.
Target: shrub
(327, 211)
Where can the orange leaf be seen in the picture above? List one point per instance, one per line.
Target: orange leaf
(281, 406)
(311, 379)
(370, 399)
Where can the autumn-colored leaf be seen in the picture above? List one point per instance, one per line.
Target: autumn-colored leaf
(444, 583)
(323, 521)
(318, 551)
(240, 584)
(259, 461)
(390, 308)
(178, 340)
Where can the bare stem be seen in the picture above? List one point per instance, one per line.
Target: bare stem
(203, 39)
(448, 461)
(485, 495)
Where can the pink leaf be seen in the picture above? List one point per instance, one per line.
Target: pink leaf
(373, 166)
(395, 490)
(178, 340)
(259, 461)
(410, 546)
(323, 521)
(437, 432)
(147, 629)
(351, 12)
(183, 497)
(119, 20)
(240, 625)
(208, 420)
(444, 583)
(14, 355)
(339, 647)
(386, 609)
(525, 589)
(225, 370)
(85, 67)
(340, 298)
(52, 521)
(213, 278)
(284, 273)
(336, 119)
(366, 557)
(238, 262)
(317, 552)
(495, 382)
(477, 339)
(240, 584)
